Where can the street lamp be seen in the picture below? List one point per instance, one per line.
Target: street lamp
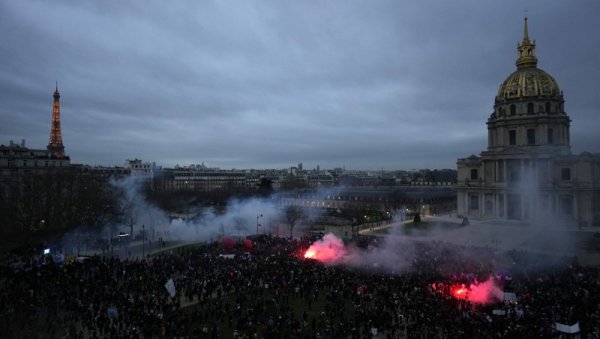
(257, 224)
(143, 241)
(153, 230)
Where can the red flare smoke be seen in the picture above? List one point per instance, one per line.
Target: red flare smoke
(228, 244)
(477, 292)
(310, 254)
(248, 245)
(330, 249)
(460, 292)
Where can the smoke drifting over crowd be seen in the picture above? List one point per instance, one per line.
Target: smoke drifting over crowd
(391, 252)
(396, 257)
(329, 250)
(239, 219)
(468, 275)
(477, 292)
(544, 230)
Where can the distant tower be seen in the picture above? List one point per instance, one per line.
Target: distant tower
(55, 146)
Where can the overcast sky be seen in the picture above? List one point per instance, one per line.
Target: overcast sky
(268, 84)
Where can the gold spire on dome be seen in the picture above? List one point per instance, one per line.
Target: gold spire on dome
(526, 31)
(526, 48)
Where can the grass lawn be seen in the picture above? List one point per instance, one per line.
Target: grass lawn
(430, 225)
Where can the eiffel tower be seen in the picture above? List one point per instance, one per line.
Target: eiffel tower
(55, 146)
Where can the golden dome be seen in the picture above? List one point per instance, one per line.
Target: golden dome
(528, 80)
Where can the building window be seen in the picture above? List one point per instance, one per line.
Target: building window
(548, 108)
(513, 109)
(550, 136)
(565, 173)
(474, 174)
(473, 202)
(530, 108)
(531, 136)
(512, 137)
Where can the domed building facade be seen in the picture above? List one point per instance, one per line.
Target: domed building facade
(527, 171)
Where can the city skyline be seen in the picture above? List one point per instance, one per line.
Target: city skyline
(268, 85)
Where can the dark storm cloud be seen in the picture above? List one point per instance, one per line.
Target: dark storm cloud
(267, 84)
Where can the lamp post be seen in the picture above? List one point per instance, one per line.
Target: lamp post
(257, 224)
(143, 241)
(131, 225)
(153, 218)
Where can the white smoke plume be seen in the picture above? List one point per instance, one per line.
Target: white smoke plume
(240, 218)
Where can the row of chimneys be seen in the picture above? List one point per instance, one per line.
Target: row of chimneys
(13, 144)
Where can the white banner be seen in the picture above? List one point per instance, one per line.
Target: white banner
(509, 296)
(566, 328)
(170, 286)
(499, 312)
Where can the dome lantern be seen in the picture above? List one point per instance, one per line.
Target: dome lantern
(526, 50)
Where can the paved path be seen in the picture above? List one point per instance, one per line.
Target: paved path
(135, 249)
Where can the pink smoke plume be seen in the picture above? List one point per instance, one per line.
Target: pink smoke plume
(328, 250)
(478, 292)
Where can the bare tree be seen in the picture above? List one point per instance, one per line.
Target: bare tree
(294, 214)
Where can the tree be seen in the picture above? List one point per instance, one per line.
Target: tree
(265, 187)
(59, 200)
(398, 199)
(294, 214)
(291, 182)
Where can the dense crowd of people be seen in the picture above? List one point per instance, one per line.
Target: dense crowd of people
(266, 289)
